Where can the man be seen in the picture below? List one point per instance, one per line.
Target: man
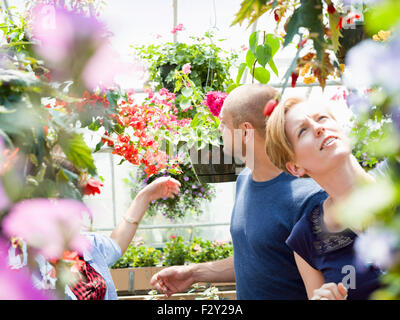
(267, 205)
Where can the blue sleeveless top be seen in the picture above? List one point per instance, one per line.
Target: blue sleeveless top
(333, 254)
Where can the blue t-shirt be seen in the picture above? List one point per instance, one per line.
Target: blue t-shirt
(263, 216)
(333, 254)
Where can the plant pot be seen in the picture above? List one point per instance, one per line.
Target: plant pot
(351, 37)
(213, 166)
(165, 69)
(130, 280)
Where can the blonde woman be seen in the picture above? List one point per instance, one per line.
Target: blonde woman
(305, 139)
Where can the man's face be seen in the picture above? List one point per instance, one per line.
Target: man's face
(230, 136)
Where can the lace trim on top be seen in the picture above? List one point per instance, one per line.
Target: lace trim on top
(325, 241)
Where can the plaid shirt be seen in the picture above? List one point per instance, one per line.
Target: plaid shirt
(94, 288)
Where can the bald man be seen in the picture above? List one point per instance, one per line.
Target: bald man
(267, 205)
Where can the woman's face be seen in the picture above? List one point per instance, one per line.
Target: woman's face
(316, 137)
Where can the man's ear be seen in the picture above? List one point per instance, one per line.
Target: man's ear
(295, 170)
(248, 131)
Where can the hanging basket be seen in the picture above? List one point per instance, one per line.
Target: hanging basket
(351, 37)
(165, 69)
(213, 166)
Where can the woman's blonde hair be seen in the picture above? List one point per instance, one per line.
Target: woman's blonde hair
(277, 145)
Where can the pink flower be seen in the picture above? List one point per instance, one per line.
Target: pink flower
(51, 226)
(214, 100)
(186, 68)
(179, 27)
(197, 248)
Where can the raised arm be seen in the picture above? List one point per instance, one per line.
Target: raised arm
(126, 229)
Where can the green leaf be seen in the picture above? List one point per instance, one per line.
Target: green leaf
(185, 103)
(262, 74)
(263, 54)
(382, 16)
(250, 58)
(273, 42)
(253, 39)
(309, 16)
(77, 151)
(241, 69)
(187, 92)
(271, 63)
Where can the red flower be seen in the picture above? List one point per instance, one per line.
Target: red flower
(331, 9)
(295, 75)
(92, 187)
(172, 237)
(276, 15)
(269, 107)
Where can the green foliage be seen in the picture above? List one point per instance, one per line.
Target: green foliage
(365, 136)
(50, 153)
(382, 16)
(261, 55)
(175, 251)
(201, 250)
(146, 257)
(139, 256)
(210, 65)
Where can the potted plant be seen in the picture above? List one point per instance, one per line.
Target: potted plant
(210, 64)
(133, 271)
(175, 251)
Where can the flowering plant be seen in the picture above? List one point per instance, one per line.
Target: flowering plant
(201, 250)
(139, 255)
(209, 64)
(193, 193)
(45, 165)
(175, 251)
(374, 98)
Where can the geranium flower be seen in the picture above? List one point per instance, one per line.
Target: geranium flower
(51, 226)
(214, 100)
(186, 68)
(93, 186)
(179, 27)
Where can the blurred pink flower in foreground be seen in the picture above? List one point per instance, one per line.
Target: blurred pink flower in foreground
(60, 31)
(16, 284)
(50, 226)
(76, 47)
(186, 68)
(104, 67)
(179, 27)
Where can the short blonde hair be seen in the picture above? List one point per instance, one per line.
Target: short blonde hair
(277, 145)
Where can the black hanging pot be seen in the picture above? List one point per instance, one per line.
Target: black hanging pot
(351, 37)
(165, 69)
(213, 166)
